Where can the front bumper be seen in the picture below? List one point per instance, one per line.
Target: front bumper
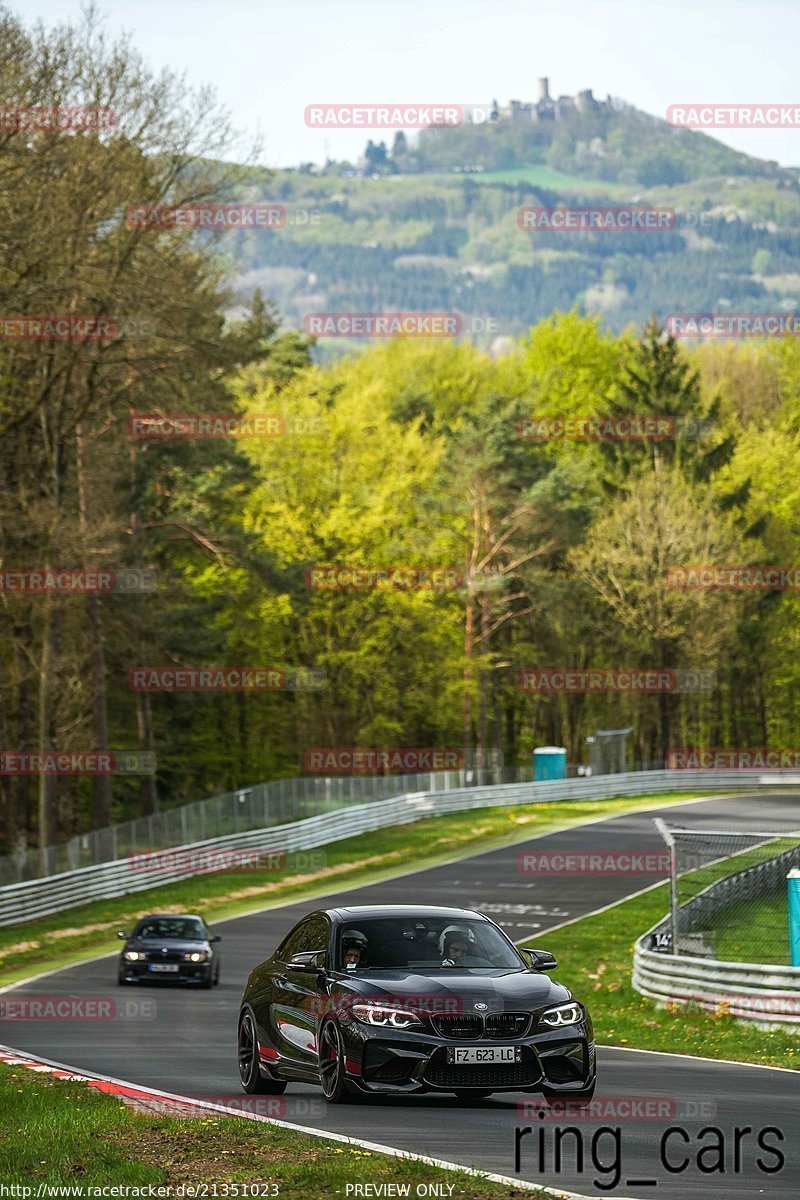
(188, 972)
(379, 1060)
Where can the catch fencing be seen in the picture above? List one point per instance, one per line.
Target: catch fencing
(42, 897)
(676, 961)
(257, 807)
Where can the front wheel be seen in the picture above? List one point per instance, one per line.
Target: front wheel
(249, 1073)
(335, 1087)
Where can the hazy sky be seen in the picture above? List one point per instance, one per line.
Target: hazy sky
(268, 59)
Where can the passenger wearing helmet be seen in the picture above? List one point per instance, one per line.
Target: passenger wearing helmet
(354, 949)
(457, 946)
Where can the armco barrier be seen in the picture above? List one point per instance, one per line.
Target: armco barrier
(41, 897)
(766, 995)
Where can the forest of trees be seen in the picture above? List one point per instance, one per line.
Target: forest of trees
(407, 453)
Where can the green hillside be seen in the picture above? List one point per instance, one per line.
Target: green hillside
(429, 222)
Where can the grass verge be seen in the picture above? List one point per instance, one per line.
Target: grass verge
(595, 958)
(755, 931)
(88, 930)
(62, 1134)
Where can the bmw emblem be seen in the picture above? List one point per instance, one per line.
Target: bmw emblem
(480, 1006)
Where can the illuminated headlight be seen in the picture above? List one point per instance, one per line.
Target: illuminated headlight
(565, 1014)
(197, 956)
(133, 955)
(392, 1018)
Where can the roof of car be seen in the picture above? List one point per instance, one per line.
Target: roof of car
(402, 910)
(170, 917)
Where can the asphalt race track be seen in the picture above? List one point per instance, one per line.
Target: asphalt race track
(184, 1042)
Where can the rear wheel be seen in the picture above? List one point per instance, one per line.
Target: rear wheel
(249, 1072)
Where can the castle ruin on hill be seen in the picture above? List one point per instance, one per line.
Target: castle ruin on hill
(547, 107)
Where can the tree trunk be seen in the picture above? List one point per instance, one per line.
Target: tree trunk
(469, 638)
(148, 787)
(483, 688)
(46, 790)
(101, 784)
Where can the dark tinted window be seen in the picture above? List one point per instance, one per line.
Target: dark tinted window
(426, 944)
(309, 935)
(187, 929)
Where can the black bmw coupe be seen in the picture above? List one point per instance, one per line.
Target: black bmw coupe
(403, 999)
(169, 947)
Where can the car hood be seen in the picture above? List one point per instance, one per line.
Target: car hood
(499, 990)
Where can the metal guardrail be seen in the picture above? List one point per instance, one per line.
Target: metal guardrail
(253, 807)
(766, 994)
(42, 897)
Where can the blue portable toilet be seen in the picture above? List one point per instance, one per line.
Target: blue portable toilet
(549, 762)
(793, 883)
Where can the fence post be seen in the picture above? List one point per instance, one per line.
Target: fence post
(663, 829)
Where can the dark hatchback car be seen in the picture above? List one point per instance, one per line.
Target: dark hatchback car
(181, 949)
(401, 999)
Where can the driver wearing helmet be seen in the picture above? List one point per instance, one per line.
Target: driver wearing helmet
(354, 949)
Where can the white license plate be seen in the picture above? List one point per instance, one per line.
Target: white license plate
(165, 966)
(483, 1054)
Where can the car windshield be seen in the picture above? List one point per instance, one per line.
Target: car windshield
(187, 929)
(424, 944)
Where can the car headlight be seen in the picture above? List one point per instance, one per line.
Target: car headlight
(133, 955)
(563, 1014)
(197, 956)
(379, 1014)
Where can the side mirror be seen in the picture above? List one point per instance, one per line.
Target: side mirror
(215, 937)
(541, 960)
(309, 961)
(122, 935)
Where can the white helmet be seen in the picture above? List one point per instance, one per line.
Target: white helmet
(450, 932)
